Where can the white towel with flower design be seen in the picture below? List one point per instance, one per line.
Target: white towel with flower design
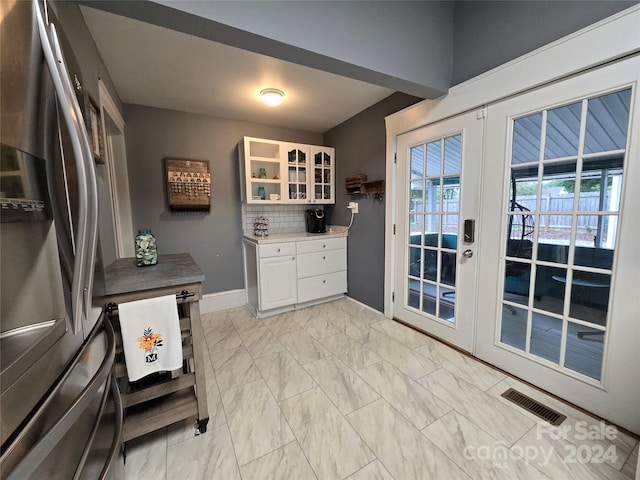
(150, 336)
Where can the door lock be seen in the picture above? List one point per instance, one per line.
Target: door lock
(467, 253)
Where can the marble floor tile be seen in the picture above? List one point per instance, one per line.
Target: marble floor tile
(344, 388)
(403, 358)
(408, 397)
(558, 458)
(284, 375)
(358, 310)
(362, 332)
(242, 318)
(147, 457)
(506, 425)
(575, 425)
(461, 365)
(477, 452)
(260, 341)
(233, 367)
(403, 334)
(374, 471)
(304, 347)
(219, 332)
(282, 324)
(403, 451)
(256, 423)
(350, 352)
(320, 326)
(630, 466)
(286, 462)
(209, 455)
(333, 448)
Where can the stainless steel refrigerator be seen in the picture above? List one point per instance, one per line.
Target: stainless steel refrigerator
(59, 407)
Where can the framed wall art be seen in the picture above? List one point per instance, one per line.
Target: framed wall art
(94, 128)
(188, 184)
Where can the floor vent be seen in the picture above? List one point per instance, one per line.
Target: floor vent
(535, 407)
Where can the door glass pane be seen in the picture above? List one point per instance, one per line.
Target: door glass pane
(526, 139)
(584, 350)
(598, 238)
(430, 264)
(448, 268)
(452, 154)
(525, 180)
(554, 236)
(601, 185)
(429, 297)
(431, 230)
(514, 326)
(546, 333)
(563, 130)
(607, 120)
(413, 293)
(517, 277)
(432, 195)
(416, 198)
(549, 289)
(447, 304)
(415, 262)
(450, 231)
(434, 154)
(590, 297)
(417, 162)
(560, 178)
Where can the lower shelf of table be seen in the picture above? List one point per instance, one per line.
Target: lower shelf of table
(160, 412)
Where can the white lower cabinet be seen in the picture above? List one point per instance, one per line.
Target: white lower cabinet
(281, 276)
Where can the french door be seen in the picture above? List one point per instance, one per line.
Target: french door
(548, 291)
(559, 260)
(439, 169)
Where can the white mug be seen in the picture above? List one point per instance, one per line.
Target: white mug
(274, 196)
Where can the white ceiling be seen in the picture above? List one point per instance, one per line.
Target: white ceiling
(158, 67)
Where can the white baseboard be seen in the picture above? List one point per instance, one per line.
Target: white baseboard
(221, 300)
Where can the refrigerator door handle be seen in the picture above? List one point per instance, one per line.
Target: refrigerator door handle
(30, 462)
(88, 261)
(87, 205)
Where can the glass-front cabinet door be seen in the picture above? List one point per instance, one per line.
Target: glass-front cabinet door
(297, 173)
(323, 184)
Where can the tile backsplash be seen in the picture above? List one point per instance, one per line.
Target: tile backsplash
(282, 218)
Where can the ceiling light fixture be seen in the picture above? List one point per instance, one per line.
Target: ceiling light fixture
(272, 96)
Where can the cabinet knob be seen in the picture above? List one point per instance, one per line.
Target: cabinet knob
(278, 250)
(323, 245)
(293, 258)
(324, 281)
(324, 258)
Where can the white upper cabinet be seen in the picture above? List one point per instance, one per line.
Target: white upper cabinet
(282, 172)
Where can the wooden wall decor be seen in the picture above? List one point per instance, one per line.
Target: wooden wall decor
(188, 184)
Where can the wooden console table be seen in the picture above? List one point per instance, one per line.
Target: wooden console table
(160, 400)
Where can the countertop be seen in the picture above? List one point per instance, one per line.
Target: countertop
(335, 232)
(123, 276)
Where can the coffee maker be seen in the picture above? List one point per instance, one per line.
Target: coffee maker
(315, 221)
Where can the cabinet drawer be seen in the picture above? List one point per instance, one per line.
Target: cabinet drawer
(320, 263)
(321, 245)
(321, 286)
(277, 249)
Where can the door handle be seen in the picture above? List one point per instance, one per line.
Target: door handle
(467, 253)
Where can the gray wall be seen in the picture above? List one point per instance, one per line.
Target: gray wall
(212, 239)
(360, 144)
(488, 34)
